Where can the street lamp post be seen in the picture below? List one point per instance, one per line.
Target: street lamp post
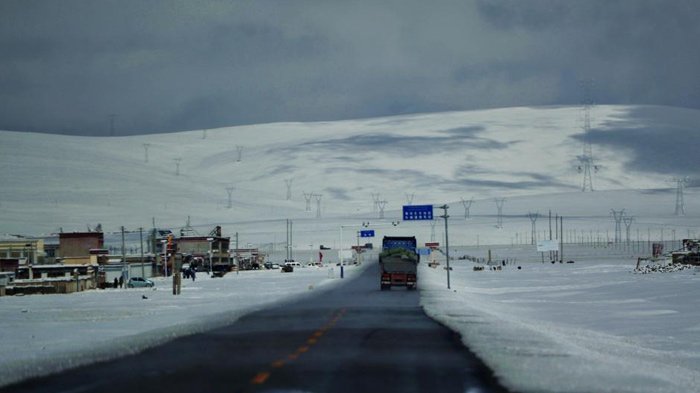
(447, 243)
(210, 240)
(164, 244)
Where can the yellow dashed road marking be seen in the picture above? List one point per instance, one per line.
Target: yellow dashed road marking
(260, 378)
(277, 363)
(263, 376)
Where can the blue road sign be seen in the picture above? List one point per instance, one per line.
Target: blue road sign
(423, 251)
(417, 212)
(367, 233)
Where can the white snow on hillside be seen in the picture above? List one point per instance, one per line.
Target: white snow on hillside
(52, 182)
(588, 326)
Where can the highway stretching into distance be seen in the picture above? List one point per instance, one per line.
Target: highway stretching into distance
(351, 338)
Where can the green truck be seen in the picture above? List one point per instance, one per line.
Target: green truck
(398, 262)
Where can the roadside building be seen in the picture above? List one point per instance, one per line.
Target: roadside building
(23, 250)
(77, 247)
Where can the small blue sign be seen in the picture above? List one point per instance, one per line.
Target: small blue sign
(423, 251)
(367, 233)
(417, 212)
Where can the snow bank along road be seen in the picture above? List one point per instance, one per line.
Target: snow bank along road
(351, 338)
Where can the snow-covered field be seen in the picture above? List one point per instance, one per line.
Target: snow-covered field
(590, 326)
(40, 334)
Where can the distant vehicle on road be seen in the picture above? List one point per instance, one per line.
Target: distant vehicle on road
(139, 282)
(398, 262)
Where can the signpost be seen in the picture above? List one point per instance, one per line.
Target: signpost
(417, 212)
(367, 233)
(423, 251)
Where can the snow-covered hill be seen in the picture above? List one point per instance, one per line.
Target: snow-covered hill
(51, 181)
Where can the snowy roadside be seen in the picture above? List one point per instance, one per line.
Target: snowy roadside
(588, 326)
(42, 334)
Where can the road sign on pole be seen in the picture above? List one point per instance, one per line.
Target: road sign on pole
(367, 233)
(417, 212)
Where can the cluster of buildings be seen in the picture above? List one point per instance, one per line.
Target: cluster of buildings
(79, 260)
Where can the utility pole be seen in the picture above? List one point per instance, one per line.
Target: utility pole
(177, 166)
(229, 190)
(143, 272)
(467, 205)
(447, 242)
(145, 147)
(288, 182)
(432, 230)
(561, 240)
(123, 254)
(239, 151)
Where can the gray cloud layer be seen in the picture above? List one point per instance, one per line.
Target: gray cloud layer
(166, 65)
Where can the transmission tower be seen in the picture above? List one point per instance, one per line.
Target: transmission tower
(318, 204)
(586, 164)
(533, 219)
(499, 205)
(628, 224)
(177, 166)
(409, 198)
(467, 205)
(680, 203)
(375, 200)
(381, 205)
(229, 190)
(145, 147)
(288, 182)
(307, 198)
(618, 215)
(239, 151)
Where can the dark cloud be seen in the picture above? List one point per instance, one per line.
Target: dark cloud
(338, 193)
(168, 65)
(661, 141)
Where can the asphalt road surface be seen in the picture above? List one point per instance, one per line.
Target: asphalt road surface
(353, 338)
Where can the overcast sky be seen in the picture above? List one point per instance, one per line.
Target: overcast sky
(166, 65)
